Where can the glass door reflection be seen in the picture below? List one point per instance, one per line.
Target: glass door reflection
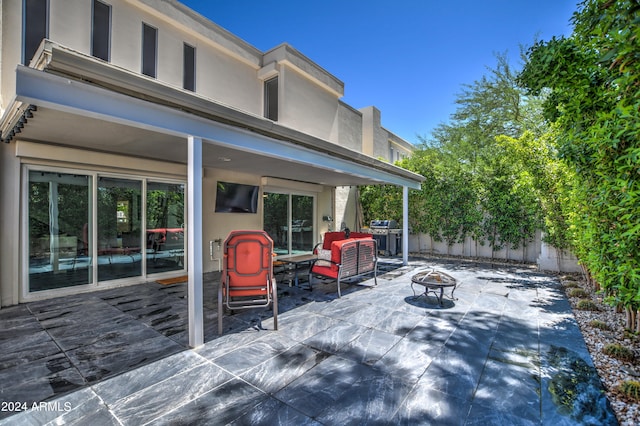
(119, 228)
(165, 227)
(288, 219)
(59, 221)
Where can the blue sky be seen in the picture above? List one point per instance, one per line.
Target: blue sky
(409, 58)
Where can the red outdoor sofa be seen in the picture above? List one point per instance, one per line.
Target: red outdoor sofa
(340, 257)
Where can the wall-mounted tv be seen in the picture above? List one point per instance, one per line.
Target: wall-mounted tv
(236, 198)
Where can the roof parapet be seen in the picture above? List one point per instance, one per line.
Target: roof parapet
(286, 54)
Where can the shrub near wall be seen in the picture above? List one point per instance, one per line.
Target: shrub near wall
(594, 100)
(497, 209)
(493, 181)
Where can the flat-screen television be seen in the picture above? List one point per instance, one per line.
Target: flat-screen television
(236, 198)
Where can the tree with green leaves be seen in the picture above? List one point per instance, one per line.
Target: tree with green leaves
(491, 108)
(593, 78)
(381, 201)
(479, 183)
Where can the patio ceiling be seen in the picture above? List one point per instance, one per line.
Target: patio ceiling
(65, 129)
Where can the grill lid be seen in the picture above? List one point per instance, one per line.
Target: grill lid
(383, 224)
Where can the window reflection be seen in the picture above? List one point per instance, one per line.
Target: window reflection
(288, 219)
(59, 237)
(165, 227)
(119, 228)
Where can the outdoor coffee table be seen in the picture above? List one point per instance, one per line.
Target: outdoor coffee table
(434, 282)
(296, 263)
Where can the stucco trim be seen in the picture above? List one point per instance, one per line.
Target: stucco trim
(34, 150)
(286, 54)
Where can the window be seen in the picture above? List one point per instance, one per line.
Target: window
(36, 23)
(189, 68)
(149, 50)
(101, 31)
(271, 99)
(288, 219)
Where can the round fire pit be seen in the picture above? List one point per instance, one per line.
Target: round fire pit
(434, 282)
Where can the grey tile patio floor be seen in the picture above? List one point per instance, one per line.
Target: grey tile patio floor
(507, 351)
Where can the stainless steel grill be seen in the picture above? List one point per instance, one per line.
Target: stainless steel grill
(388, 236)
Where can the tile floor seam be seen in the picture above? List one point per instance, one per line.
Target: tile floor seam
(238, 375)
(400, 338)
(134, 318)
(273, 394)
(484, 367)
(104, 403)
(486, 359)
(141, 391)
(539, 366)
(62, 351)
(441, 348)
(174, 409)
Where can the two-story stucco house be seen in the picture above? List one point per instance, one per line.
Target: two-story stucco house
(135, 134)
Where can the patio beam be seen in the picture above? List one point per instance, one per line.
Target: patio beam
(405, 225)
(194, 241)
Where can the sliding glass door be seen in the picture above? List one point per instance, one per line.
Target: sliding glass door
(289, 220)
(84, 228)
(302, 230)
(276, 219)
(119, 228)
(59, 219)
(165, 227)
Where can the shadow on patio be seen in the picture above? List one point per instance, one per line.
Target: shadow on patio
(501, 353)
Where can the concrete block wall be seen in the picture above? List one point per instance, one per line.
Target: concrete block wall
(537, 251)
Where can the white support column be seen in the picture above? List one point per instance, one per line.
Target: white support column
(194, 238)
(405, 225)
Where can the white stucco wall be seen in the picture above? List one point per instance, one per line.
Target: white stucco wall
(349, 128)
(76, 36)
(346, 208)
(374, 138)
(370, 120)
(226, 66)
(11, 49)
(9, 225)
(537, 251)
(422, 243)
(550, 259)
(220, 75)
(325, 207)
(227, 80)
(306, 106)
(218, 225)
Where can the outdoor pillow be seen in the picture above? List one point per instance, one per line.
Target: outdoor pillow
(324, 257)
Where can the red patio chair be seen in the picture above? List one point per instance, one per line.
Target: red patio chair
(247, 276)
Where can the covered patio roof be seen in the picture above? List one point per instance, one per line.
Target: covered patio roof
(87, 103)
(83, 102)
